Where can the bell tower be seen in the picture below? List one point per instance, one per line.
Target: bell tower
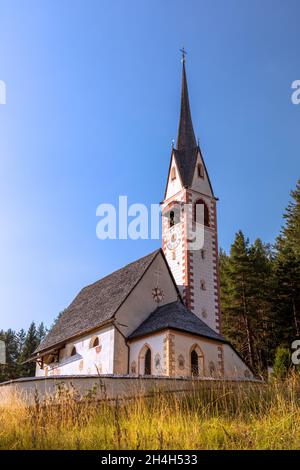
(188, 188)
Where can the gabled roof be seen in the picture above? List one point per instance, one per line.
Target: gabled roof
(97, 303)
(175, 316)
(186, 162)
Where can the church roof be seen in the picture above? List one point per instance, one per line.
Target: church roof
(186, 136)
(186, 161)
(97, 303)
(187, 149)
(175, 316)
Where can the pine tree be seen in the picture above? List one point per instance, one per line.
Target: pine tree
(291, 229)
(41, 332)
(30, 344)
(287, 271)
(9, 370)
(263, 320)
(236, 291)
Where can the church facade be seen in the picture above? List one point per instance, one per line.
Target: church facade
(160, 315)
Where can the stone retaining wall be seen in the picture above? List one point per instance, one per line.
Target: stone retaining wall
(104, 387)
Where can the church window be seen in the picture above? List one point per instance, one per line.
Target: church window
(94, 342)
(181, 362)
(73, 352)
(200, 170)
(173, 254)
(205, 212)
(173, 174)
(148, 362)
(202, 284)
(194, 363)
(172, 213)
(203, 254)
(204, 313)
(172, 218)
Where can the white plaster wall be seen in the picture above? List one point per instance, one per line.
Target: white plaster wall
(204, 269)
(140, 302)
(234, 367)
(183, 346)
(201, 184)
(87, 360)
(156, 344)
(205, 304)
(173, 186)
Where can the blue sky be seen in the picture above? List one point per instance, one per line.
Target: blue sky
(93, 94)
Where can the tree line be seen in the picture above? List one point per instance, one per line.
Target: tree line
(260, 301)
(260, 291)
(20, 346)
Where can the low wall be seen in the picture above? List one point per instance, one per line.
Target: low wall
(105, 387)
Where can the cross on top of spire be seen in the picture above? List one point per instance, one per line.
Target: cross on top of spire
(184, 53)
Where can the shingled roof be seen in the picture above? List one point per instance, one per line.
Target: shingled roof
(186, 161)
(97, 303)
(175, 316)
(186, 136)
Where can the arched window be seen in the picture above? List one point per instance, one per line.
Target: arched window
(94, 342)
(172, 219)
(73, 352)
(148, 362)
(200, 170)
(205, 212)
(194, 363)
(172, 212)
(145, 360)
(173, 174)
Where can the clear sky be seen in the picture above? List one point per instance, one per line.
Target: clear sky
(93, 94)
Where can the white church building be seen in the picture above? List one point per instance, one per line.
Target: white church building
(160, 315)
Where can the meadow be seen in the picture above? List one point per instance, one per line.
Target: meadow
(223, 416)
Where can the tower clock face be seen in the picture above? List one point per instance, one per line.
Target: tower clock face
(173, 238)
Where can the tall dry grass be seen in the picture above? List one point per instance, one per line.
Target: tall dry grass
(222, 416)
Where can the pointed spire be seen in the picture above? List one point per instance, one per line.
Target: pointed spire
(186, 137)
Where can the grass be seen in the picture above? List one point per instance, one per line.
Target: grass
(223, 416)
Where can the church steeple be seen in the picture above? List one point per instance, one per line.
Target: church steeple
(186, 136)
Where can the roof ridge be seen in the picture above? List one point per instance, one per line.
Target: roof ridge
(121, 269)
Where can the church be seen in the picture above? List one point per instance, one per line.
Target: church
(160, 315)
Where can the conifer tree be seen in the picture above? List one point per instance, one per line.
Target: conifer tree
(235, 296)
(287, 271)
(30, 344)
